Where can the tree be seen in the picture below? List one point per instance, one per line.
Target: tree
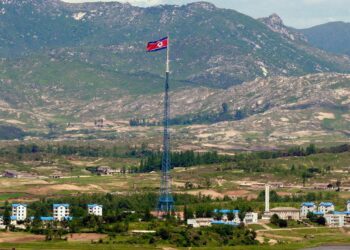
(321, 221)
(338, 184)
(147, 215)
(311, 216)
(282, 223)
(274, 219)
(7, 215)
(311, 149)
(224, 108)
(164, 233)
(239, 115)
(306, 175)
(37, 221)
(230, 216)
(241, 215)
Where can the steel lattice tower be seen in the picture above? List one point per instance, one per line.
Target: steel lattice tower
(166, 200)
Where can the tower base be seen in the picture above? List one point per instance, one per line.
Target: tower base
(166, 203)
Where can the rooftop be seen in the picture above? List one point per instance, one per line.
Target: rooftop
(308, 204)
(326, 204)
(94, 205)
(284, 209)
(60, 205)
(18, 204)
(220, 222)
(342, 212)
(226, 211)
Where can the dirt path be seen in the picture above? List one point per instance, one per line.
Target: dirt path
(264, 226)
(274, 236)
(283, 229)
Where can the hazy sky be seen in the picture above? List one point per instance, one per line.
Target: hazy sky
(296, 13)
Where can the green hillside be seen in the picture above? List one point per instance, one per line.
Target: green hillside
(210, 46)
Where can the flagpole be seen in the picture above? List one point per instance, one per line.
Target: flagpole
(168, 56)
(166, 201)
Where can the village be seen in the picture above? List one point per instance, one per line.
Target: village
(230, 217)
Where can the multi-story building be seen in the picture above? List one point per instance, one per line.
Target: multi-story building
(95, 209)
(326, 207)
(60, 211)
(307, 207)
(336, 219)
(19, 212)
(250, 218)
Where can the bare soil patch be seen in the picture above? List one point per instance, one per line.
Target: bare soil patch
(207, 192)
(11, 237)
(322, 115)
(85, 236)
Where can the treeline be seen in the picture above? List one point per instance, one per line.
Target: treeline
(201, 118)
(296, 151)
(311, 196)
(84, 150)
(182, 159)
(143, 122)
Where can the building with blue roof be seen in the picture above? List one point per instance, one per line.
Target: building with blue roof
(318, 213)
(326, 207)
(221, 222)
(19, 211)
(307, 207)
(60, 211)
(95, 209)
(226, 212)
(336, 219)
(46, 218)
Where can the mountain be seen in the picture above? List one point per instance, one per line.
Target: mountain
(210, 46)
(235, 80)
(332, 37)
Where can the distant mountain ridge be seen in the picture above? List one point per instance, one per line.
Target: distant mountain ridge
(332, 37)
(211, 46)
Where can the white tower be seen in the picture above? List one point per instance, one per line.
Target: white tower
(267, 198)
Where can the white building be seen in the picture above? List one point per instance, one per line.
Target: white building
(348, 206)
(19, 212)
(95, 209)
(199, 222)
(337, 219)
(286, 213)
(61, 211)
(251, 218)
(326, 207)
(307, 207)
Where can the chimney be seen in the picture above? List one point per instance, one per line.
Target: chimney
(267, 198)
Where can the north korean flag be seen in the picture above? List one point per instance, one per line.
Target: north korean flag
(157, 45)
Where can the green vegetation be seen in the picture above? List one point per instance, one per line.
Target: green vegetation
(11, 133)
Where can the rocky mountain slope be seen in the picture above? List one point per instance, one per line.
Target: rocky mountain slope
(64, 66)
(210, 46)
(333, 37)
